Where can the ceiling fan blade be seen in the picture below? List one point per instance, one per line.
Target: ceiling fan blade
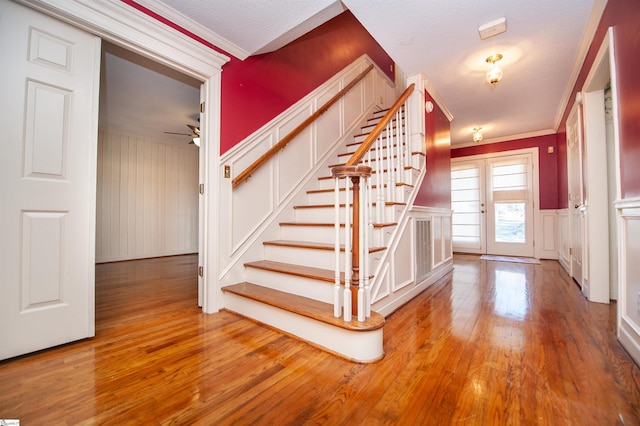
(181, 134)
(194, 129)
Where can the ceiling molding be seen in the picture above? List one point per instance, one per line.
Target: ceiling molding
(196, 28)
(505, 138)
(587, 38)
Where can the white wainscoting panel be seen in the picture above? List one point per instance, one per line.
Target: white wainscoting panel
(564, 241)
(547, 235)
(629, 275)
(147, 198)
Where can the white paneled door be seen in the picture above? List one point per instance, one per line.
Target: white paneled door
(493, 206)
(49, 103)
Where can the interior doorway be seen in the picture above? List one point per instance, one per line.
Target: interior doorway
(600, 178)
(492, 198)
(148, 164)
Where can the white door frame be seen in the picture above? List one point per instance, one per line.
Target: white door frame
(537, 225)
(595, 172)
(121, 24)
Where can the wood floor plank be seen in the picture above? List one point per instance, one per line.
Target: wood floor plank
(491, 343)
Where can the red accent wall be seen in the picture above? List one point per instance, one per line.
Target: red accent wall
(435, 190)
(624, 17)
(256, 90)
(548, 163)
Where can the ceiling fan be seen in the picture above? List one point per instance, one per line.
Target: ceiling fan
(194, 135)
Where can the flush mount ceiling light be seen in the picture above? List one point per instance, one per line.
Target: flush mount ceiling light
(494, 75)
(477, 134)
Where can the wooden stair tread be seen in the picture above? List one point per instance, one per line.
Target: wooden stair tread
(313, 245)
(297, 270)
(309, 308)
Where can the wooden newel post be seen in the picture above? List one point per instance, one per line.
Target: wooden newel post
(354, 173)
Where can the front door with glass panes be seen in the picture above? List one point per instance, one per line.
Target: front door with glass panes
(492, 202)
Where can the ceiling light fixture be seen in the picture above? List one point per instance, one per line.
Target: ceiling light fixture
(477, 134)
(494, 75)
(196, 141)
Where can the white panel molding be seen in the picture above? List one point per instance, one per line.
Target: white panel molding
(147, 201)
(402, 262)
(564, 242)
(387, 302)
(547, 235)
(629, 275)
(232, 256)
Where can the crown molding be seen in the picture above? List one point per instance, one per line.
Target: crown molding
(194, 27)
(505, 138)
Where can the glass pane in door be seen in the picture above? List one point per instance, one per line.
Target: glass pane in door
(510, 222)
(466, 206)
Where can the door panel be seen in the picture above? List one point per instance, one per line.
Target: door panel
(510, 206)
(47, 180)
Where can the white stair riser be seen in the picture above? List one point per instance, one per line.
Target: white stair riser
(325, 234)
(358, 346)
(315, 258)
(401, 195)
(409, 176)
(325, 214)
(307, 287)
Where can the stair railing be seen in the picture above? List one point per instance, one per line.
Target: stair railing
(246, 174)
(359, 204)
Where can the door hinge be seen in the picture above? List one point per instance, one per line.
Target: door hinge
(200, 271)
(570, 251)
(201, 188)
(202, 107)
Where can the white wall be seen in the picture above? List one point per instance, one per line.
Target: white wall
(147, 198)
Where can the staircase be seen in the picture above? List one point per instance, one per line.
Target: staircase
(292, 287)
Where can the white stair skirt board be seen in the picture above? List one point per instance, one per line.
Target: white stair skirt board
(359, 346)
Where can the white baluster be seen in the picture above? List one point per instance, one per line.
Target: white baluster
(390, 173)
(400, 160)
(367, 234)
(379, 182)
(347, 253)
(337, 308)
(361, 253)
(407, 147)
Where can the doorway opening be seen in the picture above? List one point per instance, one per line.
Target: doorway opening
(147, 200)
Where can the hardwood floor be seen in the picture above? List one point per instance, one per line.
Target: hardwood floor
(491, 343)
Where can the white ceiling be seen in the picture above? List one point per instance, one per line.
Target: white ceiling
(139, 97)
(544, 43)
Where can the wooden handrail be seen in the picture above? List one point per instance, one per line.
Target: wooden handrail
(368, 142)
(295, 132)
